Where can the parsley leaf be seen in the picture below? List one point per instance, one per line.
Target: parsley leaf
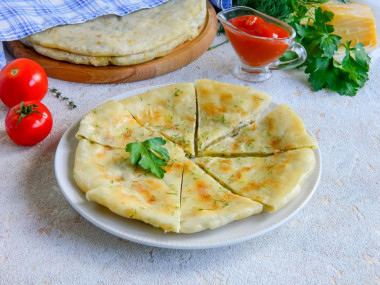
(150, 155)
(288, 55)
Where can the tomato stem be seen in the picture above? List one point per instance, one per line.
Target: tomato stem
(14, 71)
(25, 111)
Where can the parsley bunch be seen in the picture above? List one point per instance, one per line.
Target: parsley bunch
(150, 155)
(344, 77)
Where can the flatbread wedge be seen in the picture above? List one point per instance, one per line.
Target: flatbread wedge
(108, 178)
(169, 110)
(281, 129)
(205, 204)
(112, 125)
(223, 107)
(273, 180)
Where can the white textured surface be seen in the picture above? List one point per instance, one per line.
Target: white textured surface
(335, 239)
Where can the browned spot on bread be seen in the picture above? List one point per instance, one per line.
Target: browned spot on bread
(213, 110)
(225, 97)
(149, 198)
(202, 189)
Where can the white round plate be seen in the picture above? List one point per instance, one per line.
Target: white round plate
(140, 232)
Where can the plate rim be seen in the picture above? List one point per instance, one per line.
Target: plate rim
(60, 150)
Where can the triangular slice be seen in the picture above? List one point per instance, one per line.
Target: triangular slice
(222, 107)
(169, 110)
(273, 180)
(112, 125)
(205, 204)
(281, 129)
(108, 178)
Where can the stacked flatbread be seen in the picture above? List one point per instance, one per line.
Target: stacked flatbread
(244, 164)
(123, 40)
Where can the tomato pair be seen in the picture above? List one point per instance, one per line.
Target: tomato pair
(23, 84)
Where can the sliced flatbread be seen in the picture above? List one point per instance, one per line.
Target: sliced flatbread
(281, 129)
(273, 181)
(222, 107)
(205, 204)
(122, 40)
(169, 110)
(108, 178)
(112, 125)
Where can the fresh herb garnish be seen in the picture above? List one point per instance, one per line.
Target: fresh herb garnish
(150, 155)
(344, 77)
(59, 96)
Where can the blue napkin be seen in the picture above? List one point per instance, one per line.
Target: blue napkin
(20, 18)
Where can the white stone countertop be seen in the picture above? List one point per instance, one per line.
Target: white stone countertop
(334, 239)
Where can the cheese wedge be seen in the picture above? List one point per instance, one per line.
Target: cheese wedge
(222, 107)
(108, 178)
(353, 22)
(281, 129)
(205, 204)
(273, 181)
(112, 125)
(169, 110)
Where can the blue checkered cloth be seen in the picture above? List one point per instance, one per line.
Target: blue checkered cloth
(222, 4)
(20, 18)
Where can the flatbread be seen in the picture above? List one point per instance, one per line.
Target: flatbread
(281, 129)
(170, 110)
(205, 204)
(273, 181)
(130, 59)
(122, 40)
(106, 60)
(223, 107)
(108, 178)
(112, 125)
(190, 198)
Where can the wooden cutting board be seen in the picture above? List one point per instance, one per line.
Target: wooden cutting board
(179, 57)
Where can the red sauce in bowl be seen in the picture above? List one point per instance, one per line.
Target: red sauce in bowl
(257, 46)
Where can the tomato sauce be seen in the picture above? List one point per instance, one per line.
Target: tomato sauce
(260, 50)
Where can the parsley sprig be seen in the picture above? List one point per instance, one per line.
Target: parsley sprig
(150, 155)
(344, 77)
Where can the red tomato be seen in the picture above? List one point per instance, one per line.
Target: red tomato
(28, 123)
(22, 80)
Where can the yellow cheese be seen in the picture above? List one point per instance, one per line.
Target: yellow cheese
(353, 22)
